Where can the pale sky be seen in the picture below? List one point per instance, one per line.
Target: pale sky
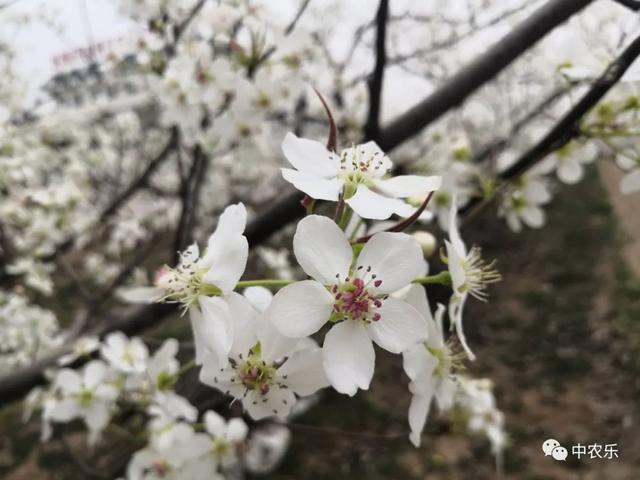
(37, 44)
(84, 22)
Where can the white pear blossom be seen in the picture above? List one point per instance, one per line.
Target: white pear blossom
(259, 297)
(27, 331)
(82, 347)
(226, 439)
(170, 457)
(89, 396)
(470, 275)
(128, 355)
(523, 203)
(476, 397)
(266, 370)
(630, 183)
(204, 285)
(357, 174)
(219, 17)
(569, 160)
(266, 448)
(163, 366)
(352, 295)
(429, 365)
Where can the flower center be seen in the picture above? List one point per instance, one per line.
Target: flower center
(254, 373)
(220, 447)
(354, 160)
(448, 361)
(184, 284)
(257, 376)
(478, 274)
(352, 180)
(85, 397)
(160, 469)
(354, 301)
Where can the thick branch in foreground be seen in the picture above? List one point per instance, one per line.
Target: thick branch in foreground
(461, 85)
(567, 128)
(480, 71)
(630, 4)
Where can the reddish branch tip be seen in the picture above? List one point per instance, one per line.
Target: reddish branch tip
(332, 141)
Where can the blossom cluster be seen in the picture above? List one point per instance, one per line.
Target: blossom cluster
(28, 331)
(180, 441)
(262, 349)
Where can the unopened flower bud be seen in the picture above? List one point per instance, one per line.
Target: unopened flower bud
(427, 242)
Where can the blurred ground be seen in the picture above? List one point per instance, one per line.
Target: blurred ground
(560, 337)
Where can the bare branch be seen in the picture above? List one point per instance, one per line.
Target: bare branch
(294, 22)
(480, 71)
(375, 83)
(122, 199)
(567, 128)
(143, 179)
(190, 194)
(180, 29)
(498, 145)
(630, 4)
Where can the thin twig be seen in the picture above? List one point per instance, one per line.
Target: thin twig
(566, 129)
(294, 22)
(484, 68)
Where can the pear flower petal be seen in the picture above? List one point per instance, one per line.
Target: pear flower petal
(400, 326)
(405, 186)
(309, 156)
(322, 249)
(356, 176)
(395, 258)
(316, 187)
(369, 204)
(348, 357)
(300, 309)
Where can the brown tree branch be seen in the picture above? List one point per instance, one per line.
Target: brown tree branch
(480, 71)
(294, 22)
(375, 82)
(630, 4)
(497, 145)
(567, 128)
(190, 195)
(462, 84)
(143, 179)
(118, 202)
